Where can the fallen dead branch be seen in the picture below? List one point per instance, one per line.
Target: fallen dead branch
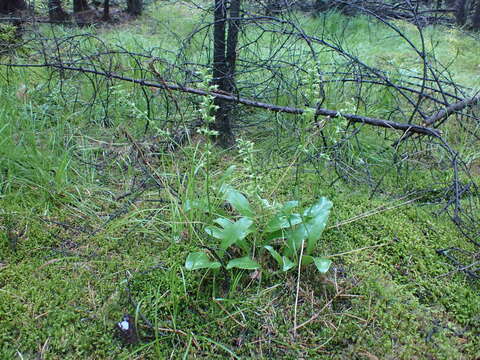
(405, 127)
(446, 112)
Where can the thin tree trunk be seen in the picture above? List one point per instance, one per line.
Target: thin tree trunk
(106, 10)
(80, 5)
(461, 12)
(220, 68)
(56, 12)
(134, 7)
(219, 46)
(476, 17)
(232, 41)
(227, 137)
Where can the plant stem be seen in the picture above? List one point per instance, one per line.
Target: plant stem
(298, 290)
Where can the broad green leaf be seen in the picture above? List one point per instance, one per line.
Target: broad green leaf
(200, 260)
(238, 201)
(322, 264)
(236, 231)
(307, 260)
(321, 206)
(223, 222)
(214, 231)
(280, 221)
(288, 207)
(318, 215)
(269, 237)
(274, 254)
(294, 239)
(284, 262)
(231, 232)
(243, 263)
(287, 263)
(314, 229)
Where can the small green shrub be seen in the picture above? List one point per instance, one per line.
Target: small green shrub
(289, 237)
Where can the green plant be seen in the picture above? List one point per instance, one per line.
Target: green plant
(229, 233)
(297, 233)
(8, 37)
(255, 178)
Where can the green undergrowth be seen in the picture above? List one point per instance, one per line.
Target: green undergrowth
(388, 293)
(78, 250)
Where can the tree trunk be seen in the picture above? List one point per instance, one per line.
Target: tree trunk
(224, 61)
(80, 5)
(220, 68)
(476, 17)
(106, 10)
(224, 121)
(9, 6)
(232, 41)
(135, 7)
(461, 12)
(56, 12)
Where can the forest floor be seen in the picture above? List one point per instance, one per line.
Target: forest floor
(84, 242)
